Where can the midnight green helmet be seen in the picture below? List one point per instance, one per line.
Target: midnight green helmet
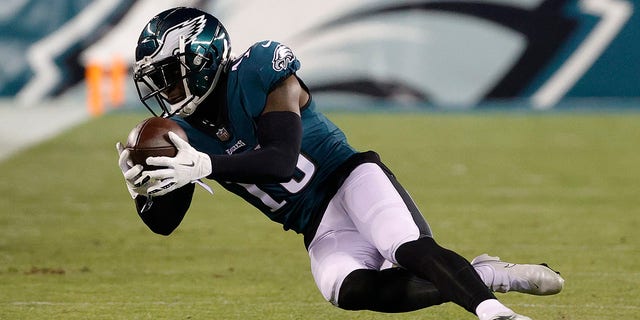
(180, 56)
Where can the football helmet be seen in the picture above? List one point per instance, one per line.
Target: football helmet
(180, 56)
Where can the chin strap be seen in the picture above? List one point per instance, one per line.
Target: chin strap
(204, 185)
(187, 109)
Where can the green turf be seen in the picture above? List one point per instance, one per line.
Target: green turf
(561, 188)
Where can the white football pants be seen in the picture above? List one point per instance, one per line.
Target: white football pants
(364, 224)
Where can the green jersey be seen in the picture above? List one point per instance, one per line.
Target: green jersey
(251, 78)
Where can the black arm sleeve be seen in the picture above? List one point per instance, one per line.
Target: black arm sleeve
(166, 212)
(280, 136)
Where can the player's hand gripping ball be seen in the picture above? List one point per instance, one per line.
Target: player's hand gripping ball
(150, 138)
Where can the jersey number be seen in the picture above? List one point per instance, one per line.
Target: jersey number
(293, 186)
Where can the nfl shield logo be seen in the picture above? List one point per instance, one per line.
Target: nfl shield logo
(223, 134)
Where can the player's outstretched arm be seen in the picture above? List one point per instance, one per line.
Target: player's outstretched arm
(166, 212)
(279, 131)
(162, 214)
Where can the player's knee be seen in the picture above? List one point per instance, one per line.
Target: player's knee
(422, 247)
(356, 290)
(331, 274)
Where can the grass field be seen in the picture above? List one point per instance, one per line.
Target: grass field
(560, 188)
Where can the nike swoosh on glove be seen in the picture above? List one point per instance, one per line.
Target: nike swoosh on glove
(187, 166)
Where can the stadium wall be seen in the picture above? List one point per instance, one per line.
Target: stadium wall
(357, 54)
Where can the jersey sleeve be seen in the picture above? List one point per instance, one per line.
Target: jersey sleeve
(265, 65)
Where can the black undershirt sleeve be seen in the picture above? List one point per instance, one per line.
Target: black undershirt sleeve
(279, 135)
(166, 212)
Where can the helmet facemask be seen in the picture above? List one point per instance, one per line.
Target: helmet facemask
(174, 73)
(161, 85)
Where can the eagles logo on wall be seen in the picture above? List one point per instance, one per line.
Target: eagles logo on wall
(455, 53)
(452, 54)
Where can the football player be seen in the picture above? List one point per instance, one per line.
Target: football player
(253, 127)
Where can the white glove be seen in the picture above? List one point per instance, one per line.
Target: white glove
(136, 183)
(187, 166)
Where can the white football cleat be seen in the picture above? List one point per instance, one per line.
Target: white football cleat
(500, 276)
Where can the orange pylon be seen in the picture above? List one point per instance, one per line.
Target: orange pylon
(93, 78)
(118, 76)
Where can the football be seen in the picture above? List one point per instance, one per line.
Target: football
(150, 138)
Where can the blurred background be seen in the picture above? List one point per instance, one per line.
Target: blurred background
(66, 60)
(520, 118)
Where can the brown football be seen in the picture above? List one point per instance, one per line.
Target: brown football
(150, 138)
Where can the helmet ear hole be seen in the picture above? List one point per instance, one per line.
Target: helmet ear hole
(201, 58)
(203, 81)
(202, 71)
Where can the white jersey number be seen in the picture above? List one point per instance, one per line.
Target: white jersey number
(293, 186)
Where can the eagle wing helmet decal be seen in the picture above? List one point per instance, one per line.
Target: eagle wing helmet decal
(188, 30)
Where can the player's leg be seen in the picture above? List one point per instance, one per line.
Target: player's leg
(345, 268)
(383, 219)
(389, 290)
(451, 274)
(502, 276)
(336, 250)
(499, 276)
